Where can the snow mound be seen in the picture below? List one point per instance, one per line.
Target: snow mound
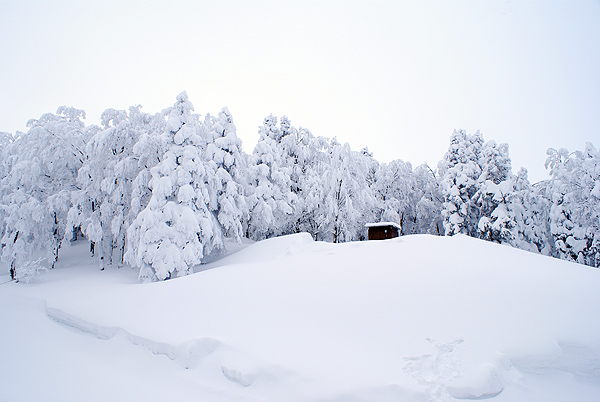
(266, 250)
(416, 318)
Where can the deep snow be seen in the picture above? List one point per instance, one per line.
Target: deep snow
(418, 318)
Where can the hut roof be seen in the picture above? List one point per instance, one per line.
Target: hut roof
(381, 224)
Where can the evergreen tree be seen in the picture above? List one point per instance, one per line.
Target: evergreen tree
(226, 160)
(498, 217)
(532, 216)
(176, 230)
(575, 211)
(495, 196)
(478, 188)
(460, 171)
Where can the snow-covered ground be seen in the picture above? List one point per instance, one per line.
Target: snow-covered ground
(418, 318)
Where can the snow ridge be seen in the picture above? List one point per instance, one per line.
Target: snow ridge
(189, 353)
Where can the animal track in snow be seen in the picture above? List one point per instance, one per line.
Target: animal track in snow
(442, 377)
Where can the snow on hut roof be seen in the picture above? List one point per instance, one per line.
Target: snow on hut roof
(380, 224)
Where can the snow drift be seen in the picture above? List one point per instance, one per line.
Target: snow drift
(417, 318)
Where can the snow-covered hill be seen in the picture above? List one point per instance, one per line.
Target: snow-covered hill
(418, 318)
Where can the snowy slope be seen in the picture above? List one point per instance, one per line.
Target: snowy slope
(418, 318)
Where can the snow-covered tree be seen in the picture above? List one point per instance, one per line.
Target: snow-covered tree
(102, 208)
(478, 188)
(348, 198)
(495, 195)
(429, 201)
(393, 187)
(309, 160)
(575, 211)
(531, 209)
(497, 215)
(6, 139)
(166, 188)
(373, 166)
(226, 159)
(148, 151)
(176, 229)
(36, 193)
(460, 171)
(271, 200)
(305, 157)
(409, 197)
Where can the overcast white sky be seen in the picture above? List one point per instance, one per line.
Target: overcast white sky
(396, 76)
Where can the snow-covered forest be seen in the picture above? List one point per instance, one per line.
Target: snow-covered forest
(162, 192)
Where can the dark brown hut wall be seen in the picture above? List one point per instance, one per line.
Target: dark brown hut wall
(382, 232)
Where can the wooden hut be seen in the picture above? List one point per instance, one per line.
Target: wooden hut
(383, 230)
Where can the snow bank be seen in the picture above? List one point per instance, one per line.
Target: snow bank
(417, 318)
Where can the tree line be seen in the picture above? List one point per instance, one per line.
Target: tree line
(162, 191)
